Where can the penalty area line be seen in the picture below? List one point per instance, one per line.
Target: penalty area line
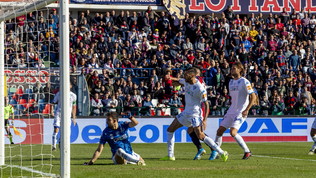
(33, 170)
(275, 157)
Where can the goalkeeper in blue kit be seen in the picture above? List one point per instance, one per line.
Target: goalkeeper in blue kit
(116, 135)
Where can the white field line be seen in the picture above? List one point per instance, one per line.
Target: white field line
(275, 157)
(33, 170)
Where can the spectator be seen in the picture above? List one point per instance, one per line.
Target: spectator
(302, 107)
(265, 106)
(294, 61)
(216, 103)
(96, 105)
(277, 107)
(112, 104)
(211, 74)
(129, 106)
(109, 87)
(147, 106)
(290, 102)
(175, 103)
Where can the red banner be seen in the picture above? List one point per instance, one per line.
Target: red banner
(31, 130)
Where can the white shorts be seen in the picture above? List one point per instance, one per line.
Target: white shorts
(189, 120)
(57, 119)
(232, 120)
(135, 155)
(314, 124)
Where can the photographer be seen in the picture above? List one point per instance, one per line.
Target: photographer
(277, 107)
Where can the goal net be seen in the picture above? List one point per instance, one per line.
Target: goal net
(31, 72)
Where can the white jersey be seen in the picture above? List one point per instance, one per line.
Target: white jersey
(239, 90)
(72, 102)
(194, 96)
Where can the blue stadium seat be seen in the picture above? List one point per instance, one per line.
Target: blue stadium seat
(28, 91)
(41, 105)
(17, 112)
(13, 102)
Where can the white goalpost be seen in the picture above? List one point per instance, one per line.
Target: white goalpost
(65, 89)
(12, 156)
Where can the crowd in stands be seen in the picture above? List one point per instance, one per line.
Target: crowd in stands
(129, 57)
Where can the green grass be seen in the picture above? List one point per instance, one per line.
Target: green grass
(289, 160)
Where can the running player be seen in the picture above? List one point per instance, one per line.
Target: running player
(57, 113)
(116, 135)
(243, 98)
(195, 94)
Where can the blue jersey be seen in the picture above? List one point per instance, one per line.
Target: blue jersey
(117, 138)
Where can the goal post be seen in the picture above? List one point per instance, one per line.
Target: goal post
(65, 89)
(2, 142)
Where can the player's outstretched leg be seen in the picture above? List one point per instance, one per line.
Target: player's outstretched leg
(170, 133)
(209, 142)
(200, 151)
(134, 157)
(170, 144)
(241, 142)
(54, 139)
(214, 146)
(218, 141)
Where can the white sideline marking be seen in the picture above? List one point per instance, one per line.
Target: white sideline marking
(296, 159)
(32, 170)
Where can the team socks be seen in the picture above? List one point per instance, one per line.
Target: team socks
(170, 144)
(218, 140)
(314, 145)
(241, 143)
(209, 142)
(54, 138)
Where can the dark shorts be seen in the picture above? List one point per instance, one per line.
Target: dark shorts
(6, 122)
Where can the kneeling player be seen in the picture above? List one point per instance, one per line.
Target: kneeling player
(116, 135)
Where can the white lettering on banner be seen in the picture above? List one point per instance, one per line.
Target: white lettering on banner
(27, 76)
(153, 130)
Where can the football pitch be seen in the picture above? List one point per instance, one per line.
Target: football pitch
(288, 159)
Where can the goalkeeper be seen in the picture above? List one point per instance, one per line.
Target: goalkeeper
(8, 110)
(116, 135)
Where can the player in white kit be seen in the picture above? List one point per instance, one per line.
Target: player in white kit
(312, 151)
(243, 97)
(57, 113)
(195, 95)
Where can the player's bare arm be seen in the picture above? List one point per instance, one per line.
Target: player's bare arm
(96, 155)
(133, 122)
(74, 113)
(207, 111)
(252, 100)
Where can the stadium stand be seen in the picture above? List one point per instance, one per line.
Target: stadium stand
(133, 51)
